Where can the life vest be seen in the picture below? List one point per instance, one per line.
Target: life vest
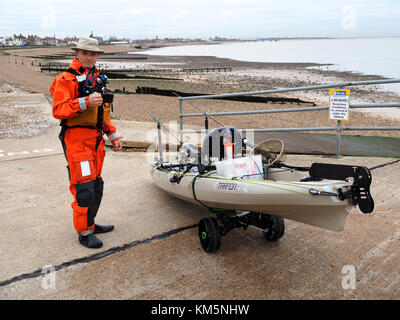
(93, 117)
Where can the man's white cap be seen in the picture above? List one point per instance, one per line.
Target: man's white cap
(88, 44)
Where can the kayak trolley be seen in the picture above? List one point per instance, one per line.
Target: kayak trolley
(211, 229)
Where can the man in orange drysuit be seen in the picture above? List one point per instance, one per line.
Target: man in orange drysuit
(85, 117)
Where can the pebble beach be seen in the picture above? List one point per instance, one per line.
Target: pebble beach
(20, 74)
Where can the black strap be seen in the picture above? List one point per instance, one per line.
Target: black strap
(194, 192)
(100, 117)
(80, 71)
(61, 136)
(99, 138)
(81, 90)
(72, 71)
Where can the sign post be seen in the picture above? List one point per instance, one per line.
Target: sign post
(338, 138)
(339, 110)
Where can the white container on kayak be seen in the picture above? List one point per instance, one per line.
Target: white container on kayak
(249, 167)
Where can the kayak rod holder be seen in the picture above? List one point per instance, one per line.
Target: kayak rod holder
(247, 142)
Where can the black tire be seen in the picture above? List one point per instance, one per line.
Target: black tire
(209, 235)
(275, 226)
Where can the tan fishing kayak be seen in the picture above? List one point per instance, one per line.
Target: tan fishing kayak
(257, 190)
(319, 203)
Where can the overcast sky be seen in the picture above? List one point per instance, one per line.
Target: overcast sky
(246, 19)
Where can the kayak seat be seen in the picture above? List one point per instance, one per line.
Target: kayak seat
(213, 145)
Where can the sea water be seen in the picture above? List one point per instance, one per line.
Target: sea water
(372, 56)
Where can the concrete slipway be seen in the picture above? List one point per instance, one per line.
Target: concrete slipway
(154, 251)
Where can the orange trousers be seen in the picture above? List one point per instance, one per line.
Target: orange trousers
(85, 163)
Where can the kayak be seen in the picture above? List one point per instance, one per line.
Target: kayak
(259, 189)
(286, 193)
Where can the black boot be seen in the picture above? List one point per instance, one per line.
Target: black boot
(103, 229)
(90, 241)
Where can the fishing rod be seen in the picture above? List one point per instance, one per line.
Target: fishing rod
(206, 114)
(158, 121)
(185, 146)
(245, 140)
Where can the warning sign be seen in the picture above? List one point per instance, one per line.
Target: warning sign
(339, 104)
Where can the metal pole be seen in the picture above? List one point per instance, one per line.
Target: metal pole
(206, 113)
(180, 121)
(323, 86)
(272, 130)
(160, 161)
(306, 129)
(317, 108)
(372, 128)
(236, 113)
(338, 138)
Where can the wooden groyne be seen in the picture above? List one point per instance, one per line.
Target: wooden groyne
(214, 69)
(104, 56)
(174, 93)
(59, 67)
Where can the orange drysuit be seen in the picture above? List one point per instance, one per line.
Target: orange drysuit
(82, 142)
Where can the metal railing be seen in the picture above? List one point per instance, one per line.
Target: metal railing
(338, 128)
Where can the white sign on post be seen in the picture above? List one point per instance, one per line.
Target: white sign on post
(339, 104)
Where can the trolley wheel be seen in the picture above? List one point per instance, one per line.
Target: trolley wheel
(209, 234)
(275, 227)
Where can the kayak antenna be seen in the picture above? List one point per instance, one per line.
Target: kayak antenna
(158, 121)
(159, 125)
(245, 141)
(205, 114)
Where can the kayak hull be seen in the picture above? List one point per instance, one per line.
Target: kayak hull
(283, 195)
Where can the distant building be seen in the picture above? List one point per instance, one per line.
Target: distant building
(70, 41)
(99, 39)
(119, 42)
(34, 40)
(50, 41)
(9, 41)
(18, 40)
(2, 41)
